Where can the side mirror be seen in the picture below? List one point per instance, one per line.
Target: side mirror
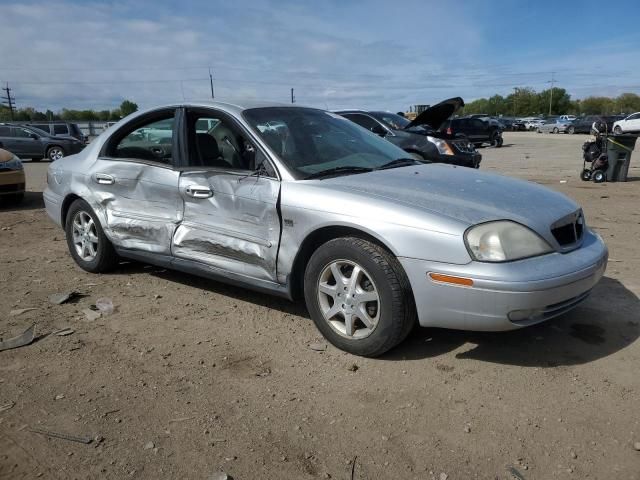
(34, 136)
(379, 130)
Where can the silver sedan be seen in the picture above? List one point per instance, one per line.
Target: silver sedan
(554, 125)
(303, 203)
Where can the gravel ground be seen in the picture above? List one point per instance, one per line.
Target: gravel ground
(189, 377)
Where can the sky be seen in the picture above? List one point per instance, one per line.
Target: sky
(371, 54)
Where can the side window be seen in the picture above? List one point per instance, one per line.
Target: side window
(363, 120)
(151, 141)
(479, 124)
(21, 133)
(218, 143)
(59, 129)
(5, 131)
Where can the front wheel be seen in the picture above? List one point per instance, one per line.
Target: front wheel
(617, 130)
(88, 245)
(358, 296)
(585, 175)
(555, 130)
(55, 153)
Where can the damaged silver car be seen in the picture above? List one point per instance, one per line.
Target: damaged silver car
(300, 202)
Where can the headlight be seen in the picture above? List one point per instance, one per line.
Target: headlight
(442, 146)
(503, 241)
(13, 164)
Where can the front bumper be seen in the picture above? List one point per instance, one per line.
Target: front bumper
(542, 287)
(12, 182)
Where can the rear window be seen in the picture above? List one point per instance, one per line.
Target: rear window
(60, 129)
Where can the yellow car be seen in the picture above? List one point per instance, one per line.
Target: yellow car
(11, 177)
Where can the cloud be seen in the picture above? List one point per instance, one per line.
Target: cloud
(368, 54)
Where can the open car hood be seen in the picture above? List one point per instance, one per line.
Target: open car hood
(436, 115)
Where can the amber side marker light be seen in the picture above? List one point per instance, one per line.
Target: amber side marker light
(438, 277)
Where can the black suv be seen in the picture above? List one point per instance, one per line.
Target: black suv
(478, 130)
(421, 137)
(29, 142)
(60, 129)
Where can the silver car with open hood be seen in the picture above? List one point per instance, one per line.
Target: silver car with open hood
(302, 203)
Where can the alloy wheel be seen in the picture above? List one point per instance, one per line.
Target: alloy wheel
(348, 299)
(55, 153)
(85, 236)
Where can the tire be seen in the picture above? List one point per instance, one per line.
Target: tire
(571, 130)
(100, 254)
(539, 131)
(55, 152)
(599, 176)
(585, 175)
(555, 130)
(617, 130)
(499, 142)
(390, 316)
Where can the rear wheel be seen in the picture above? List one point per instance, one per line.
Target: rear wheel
(555, 130)
(358, 296)
(599, 176)
(88, 245)
(617, 130)
(55, 153)
(571, 130)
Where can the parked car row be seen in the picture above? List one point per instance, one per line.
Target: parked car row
(423, 138)
(303, 203)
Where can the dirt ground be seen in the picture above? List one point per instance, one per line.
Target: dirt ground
(189, 377)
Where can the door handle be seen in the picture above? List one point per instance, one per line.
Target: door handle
(104, 179)
(198, 191)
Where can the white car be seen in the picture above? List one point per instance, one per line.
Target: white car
(629, 124)
(568, 118)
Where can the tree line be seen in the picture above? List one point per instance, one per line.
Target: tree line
(524, 102)
(29, 114)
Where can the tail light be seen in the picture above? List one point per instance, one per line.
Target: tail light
(449, 131)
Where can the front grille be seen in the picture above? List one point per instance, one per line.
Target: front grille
(568, 230)
(464, 146)
(18, 187)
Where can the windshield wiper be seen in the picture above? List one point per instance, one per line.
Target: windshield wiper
(399, 162)
(338, 170)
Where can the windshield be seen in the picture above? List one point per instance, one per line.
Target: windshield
(391, 120)
(310, 141)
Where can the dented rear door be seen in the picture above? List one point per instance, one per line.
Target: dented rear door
(230, 222)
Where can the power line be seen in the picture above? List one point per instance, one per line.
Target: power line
(8, 100)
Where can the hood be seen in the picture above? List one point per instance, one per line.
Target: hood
(436, 115)
(462, 194)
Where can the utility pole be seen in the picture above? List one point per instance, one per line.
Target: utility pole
(293, 98)
(9, 101)
(552, 82)
(515, 100)
(211, 83)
